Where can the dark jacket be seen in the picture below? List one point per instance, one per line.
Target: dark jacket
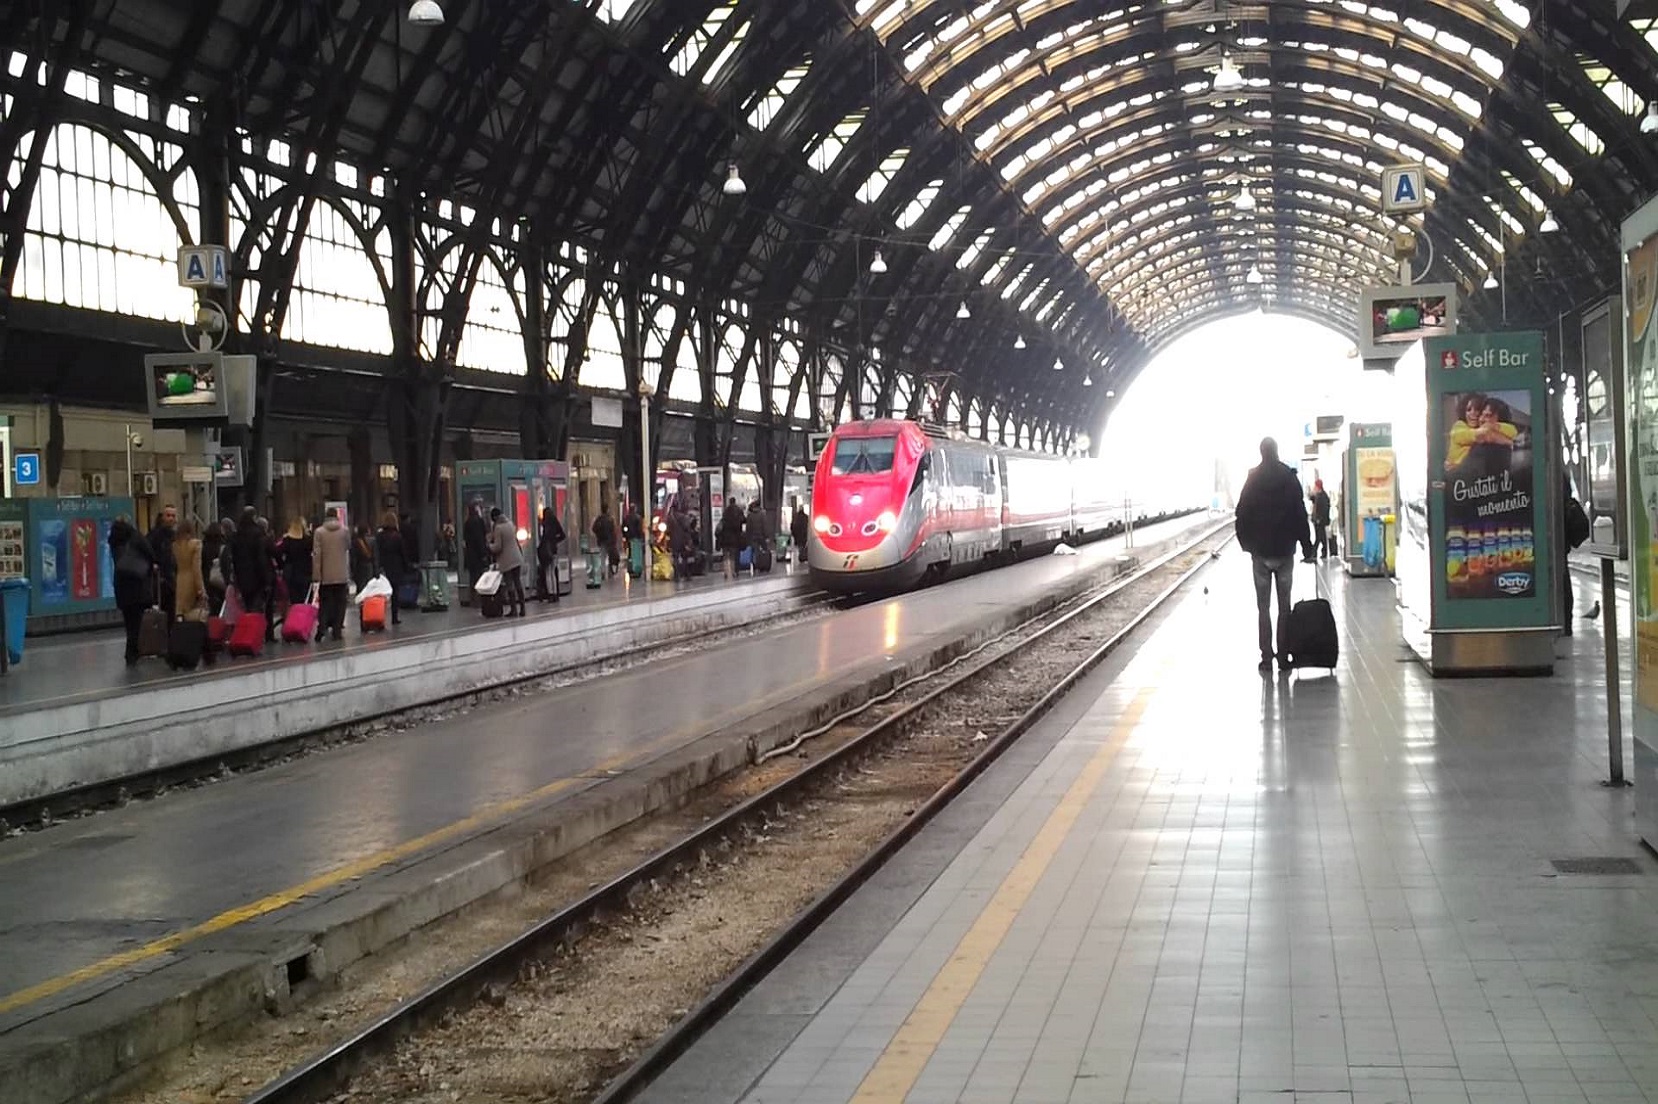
(131, 589)
(295, 555)
(362, 560)
(1321, 508)
(160, 541)
(1272, 514)
(759, 526)
(604, 531)
(732, 523)
(633, 528)
(800, 530)
(475, 542)
(550, 535)
(250, 560)
(212, 549)
(391, 554)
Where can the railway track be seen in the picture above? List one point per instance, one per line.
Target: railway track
(845, 742)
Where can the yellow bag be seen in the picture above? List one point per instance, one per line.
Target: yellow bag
(662, 565)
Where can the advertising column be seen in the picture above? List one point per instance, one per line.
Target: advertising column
(1490, 504)
(1372, 491)
(1640, 284)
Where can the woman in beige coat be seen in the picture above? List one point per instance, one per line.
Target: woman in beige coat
(190, 591)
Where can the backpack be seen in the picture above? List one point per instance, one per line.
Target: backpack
(1577, 523)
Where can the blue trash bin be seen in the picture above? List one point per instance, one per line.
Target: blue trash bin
(14, 593)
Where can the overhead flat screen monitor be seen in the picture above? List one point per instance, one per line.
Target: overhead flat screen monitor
(185, 386)
(1392, 319)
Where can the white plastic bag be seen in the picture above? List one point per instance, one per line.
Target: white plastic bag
(488, 583)
(379, 586)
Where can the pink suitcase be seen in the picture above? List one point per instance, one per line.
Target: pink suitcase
(301, 623)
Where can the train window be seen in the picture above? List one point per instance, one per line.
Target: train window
(863, 455)
(920, 472)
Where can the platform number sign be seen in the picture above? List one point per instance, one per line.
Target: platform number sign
(1404, 189)
(26, 469)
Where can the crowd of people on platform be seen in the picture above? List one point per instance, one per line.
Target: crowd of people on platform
(189, 570)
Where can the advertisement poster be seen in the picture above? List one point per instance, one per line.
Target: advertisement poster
(14, 552)
(1488, 500)
(1375, 480)
(52, 538)
(83, 559)
(1641, 290)
(106, 561)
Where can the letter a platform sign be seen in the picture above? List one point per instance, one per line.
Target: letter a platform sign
(203, 266)
(1404, 189)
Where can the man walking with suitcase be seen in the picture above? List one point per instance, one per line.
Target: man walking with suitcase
(1271, 524)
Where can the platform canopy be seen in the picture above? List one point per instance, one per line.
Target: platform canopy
(1044, 182)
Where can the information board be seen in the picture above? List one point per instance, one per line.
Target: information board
(1488, 500)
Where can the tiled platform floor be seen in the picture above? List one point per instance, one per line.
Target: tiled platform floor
(1198, 885)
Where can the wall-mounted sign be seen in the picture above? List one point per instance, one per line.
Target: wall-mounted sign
(26, 469)
(607, 412)
(1490, 505)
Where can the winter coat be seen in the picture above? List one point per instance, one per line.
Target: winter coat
(503, 542)
(1321, 508)
(190, 588)
(732, 524)
(362, 561)
(759, 526)
(550, 537)
(250, 559)
(475, 541)
(294, 554)
(1272, 514)
(132, 589)
(604, 531)
(392, 555)
(800, 530)
(161, 544)
(632, 527)
(331, 554)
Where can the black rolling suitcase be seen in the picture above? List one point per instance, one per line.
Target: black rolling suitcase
(1310, 633)
(186, 641)
(490, 605)
(762, 559)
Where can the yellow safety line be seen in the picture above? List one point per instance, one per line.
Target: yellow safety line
(901, 1063)
(368, 863)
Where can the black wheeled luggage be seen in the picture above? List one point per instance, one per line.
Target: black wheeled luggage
(1310, 635)
(490, 605)
(186, 641)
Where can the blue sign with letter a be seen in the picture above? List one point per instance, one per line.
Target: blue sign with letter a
(1404, 188)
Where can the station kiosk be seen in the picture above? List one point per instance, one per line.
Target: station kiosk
(521, 489)
(1369, 498)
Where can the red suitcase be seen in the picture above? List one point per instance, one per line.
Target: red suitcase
(247, 638)
(218, 635)
(372, 612)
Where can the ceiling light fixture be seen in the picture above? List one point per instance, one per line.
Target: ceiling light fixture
(1110, 394)
(1088, 380)
(1490, 281)
(1549, 226)
(1245, 200)
(1254, 276)
(1019, 341)
(1649, 125)
(1059, 366)
(878, 264)
(426, 13)
(962, 312)
(1229, 79)
(734, 185)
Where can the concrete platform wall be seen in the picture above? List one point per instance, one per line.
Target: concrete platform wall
(95, 740)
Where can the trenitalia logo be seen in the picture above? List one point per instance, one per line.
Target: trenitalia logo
(1514, 582)
(851, 563)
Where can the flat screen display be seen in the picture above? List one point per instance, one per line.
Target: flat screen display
(1391, 319)
(185, 386)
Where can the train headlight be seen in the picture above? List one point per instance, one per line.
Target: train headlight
(523, 535)
(888, 521)
(820, 523)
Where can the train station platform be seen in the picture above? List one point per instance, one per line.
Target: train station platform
(129, 933)
(1193, 884)
(72, 715)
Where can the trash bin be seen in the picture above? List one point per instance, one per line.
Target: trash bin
(434, 587)
(14, 613)
(1390, 541)
(1373, 542)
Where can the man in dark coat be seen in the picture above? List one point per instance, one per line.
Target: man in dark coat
(475, 544)
(160, 540)
(253, 570)
(800, 531)
(1321, 520)
(1271, 523)
(134, 579)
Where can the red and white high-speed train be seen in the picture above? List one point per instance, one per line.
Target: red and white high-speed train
(893, 503)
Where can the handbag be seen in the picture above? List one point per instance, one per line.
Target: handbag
(488, 583)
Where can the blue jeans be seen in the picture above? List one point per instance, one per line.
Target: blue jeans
(1270, 569)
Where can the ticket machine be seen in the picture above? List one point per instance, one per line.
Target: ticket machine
(521, 489)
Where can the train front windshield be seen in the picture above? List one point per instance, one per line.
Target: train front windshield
(863, 455)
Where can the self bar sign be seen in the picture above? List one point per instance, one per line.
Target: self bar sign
(1489, 506)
